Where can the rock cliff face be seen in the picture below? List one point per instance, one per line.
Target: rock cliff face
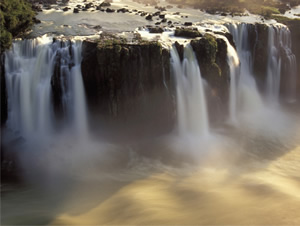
(128, 82)
(132, 82)
(211, 54)
(295, 33)
(259, 45)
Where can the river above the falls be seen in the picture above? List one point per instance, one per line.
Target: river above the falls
(57, 22)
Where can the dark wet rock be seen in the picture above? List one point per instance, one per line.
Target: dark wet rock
(177, 13)
(206, 50)
(156, 30)
(75, 10)
(66, 9)
(188, 24)
(169, 22)
(36, 21)
(109, 10)
(149, 17)
(161, 8)
(121, 80)
(157, 23)
(164, 20)
(228, 36)
(143, 14)
(47, 7)
(258, 34)
(162, 16)
(211, 54)
(97, 27)
(89, 5)
(156, 13)
(3, 90)
(84, 9)
(180, 50)
(123, 10)
(187, 33)
(105, 4)
(223, 14)
(37, 8)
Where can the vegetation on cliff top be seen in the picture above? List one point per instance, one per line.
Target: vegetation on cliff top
(16, 16)
(266, 7)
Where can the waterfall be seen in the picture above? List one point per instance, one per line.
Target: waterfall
(249, 96)
(191, 102)
(274, 66)
(279, 46)
(234, 66)
(29, 68)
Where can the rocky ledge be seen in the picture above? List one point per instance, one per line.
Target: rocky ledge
(121, 78)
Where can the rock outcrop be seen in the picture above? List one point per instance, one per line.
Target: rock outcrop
(258, 34)
(211, 54)
(128, 82)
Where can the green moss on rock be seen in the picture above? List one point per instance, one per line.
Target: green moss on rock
(206, 50)
(187, 33)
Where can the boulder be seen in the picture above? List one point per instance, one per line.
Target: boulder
(105, 4)
(109, 10)
(36, 21)
(156, 29)
(187, 33)
(188, 24)
(123, 10)
(149, 17)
